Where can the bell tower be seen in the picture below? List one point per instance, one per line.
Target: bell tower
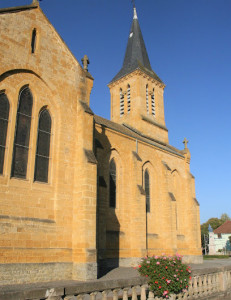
(137, 92)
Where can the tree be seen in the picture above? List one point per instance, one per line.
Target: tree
(225, 217)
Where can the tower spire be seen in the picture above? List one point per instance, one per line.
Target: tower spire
(136, 56)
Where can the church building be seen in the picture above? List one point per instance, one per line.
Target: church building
(80, 194)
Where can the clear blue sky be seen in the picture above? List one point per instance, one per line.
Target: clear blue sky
(189, 47)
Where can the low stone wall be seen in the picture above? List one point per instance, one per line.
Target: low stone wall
(210, 283)
(32, 272)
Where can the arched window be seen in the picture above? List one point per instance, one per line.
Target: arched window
(43, 147)
(4, 115)
(33, 40)
(153, 103)
(121, 102)
(147, 190)
(112, 178)
(147, 102)
(22, 135)
(129, 98)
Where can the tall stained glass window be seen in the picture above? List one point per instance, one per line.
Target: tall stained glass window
(112, 178)
(4, 115)
(22, 134)
(43, 147)
(147, 190)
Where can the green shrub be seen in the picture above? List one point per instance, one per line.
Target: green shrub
(167, 275)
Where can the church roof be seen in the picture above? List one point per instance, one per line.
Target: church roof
(224, 228)
(131, 132)
(136, 56)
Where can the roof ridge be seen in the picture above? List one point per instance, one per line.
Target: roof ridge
(18, 8)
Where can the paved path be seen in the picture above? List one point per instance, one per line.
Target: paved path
(130, 272)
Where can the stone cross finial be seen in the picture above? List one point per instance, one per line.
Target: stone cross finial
(86, 62)
(185, 142)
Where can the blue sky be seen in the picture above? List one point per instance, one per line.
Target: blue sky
(189, 47)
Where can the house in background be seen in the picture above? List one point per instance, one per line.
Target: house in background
(219, 241)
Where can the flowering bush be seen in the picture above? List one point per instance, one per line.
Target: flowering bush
(167, 275)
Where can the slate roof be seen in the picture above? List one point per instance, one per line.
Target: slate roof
(224, 228)
(135, 134)
(136, 56)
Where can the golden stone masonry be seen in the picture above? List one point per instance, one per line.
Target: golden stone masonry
(81, 194)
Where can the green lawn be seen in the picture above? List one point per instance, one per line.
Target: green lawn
(215, 256)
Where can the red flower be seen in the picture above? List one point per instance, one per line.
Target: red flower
(160, 287)
(156, 281)
(166, 267)
(190, 277)
(139, 266)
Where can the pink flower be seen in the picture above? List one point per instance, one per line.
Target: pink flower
(148, 261)
(174, 275)
(168, 281)
(177, 279)
(165, 293)
(156, 257)
(158, 263)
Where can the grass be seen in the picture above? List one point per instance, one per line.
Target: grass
(215, 256)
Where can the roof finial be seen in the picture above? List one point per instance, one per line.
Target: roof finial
(134, 8)
(85, 61)
(185, 142)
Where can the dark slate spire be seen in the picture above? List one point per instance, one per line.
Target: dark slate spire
(136, 56)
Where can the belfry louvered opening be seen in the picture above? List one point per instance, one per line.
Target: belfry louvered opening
(121, 103)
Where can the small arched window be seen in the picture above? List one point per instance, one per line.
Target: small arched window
(129, 98)
(147, 189)
(22, 134)
(43, 147)
(112, 178)
(121, 103)
(4, 115)
(33, 40)
(153, 103)
(147, 102)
